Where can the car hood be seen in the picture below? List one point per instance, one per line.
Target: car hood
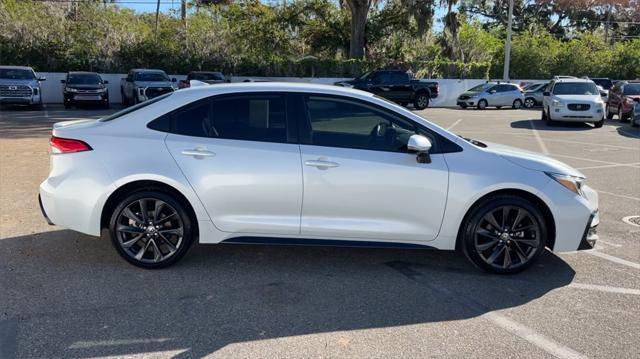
(31, 83)
(154, 83)
(587, 98)
(531, 160)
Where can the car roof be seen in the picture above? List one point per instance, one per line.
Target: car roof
(147, 70)
(572, 80)
(16, 67)
(82, 73)
(240, 87)
(205, 72)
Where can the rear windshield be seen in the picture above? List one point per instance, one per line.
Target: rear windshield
(151, 76)
(480, 87)
(135, 107)
(17, 74)
(84, 79)
(575, 88)
(632, 89)
(206, 76)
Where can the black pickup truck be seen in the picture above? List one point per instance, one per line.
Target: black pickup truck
(395, 85)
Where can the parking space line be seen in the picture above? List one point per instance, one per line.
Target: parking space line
(543, 147)
(609, 243)
(605, 288)
(618, 195)
(115, 342)
(613, 259)
(454, 124)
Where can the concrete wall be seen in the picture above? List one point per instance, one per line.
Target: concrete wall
(449, 88)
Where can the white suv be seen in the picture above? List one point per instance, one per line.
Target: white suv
(575, 100)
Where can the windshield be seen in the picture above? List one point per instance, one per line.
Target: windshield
(534, 87)
(576, 88)
(83, 79)
(135, 107)
(632, 89)
(152, 76)
(479, 88)
(605, 83)
(206, 76)
(17, 74)
(364, 76)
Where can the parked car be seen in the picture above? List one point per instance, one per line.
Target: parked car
(227, 164)
(621, 98)
(574, 100)
(19, 85)
(144, 84)
(492, 94)
(635, 113)
(533, 94)
(395, 85)
(209, 77)
(604, 82)
(85, 88)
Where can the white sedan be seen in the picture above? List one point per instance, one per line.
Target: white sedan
(306, 164)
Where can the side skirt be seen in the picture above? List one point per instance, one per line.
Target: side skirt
(322, 243)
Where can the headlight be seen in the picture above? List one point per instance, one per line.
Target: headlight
(600, 104)
(71, 89)
(557, 103)
(572, 183)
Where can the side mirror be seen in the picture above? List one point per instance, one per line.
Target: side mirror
(42, 78)
(173, 79)
(105, 82)
(63, 81)
(420, 145)
(546, 93)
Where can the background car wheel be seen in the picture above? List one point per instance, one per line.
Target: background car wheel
(422, 101)
(517, 104)
(151, 229)
(498, 107)
(621, 115)
(529, 102)
(482, 104)
(609, 113)
(545, 117)
(599, 123)
(504, 234)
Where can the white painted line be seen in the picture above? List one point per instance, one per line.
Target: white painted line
(543, 147)
(619, 195)
(46, 112)
(627, 220)
(633, 165)
(614, 259)
(454, 124)
(547, 344)
(102, 343)
(605, 288)
(589, 159)
(609, 243)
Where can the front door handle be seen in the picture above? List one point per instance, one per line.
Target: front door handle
(198, 152)
(321, 164)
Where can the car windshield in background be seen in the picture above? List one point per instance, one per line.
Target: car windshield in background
(605, 83)
(575, 88)
(87, 79)
(533, 87)
(152, 76)
(479, 88)
(364, 76)
(632, 89)
(135, 107)
(207, 76)
(14, 74)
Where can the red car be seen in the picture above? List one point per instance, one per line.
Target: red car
(621, 97)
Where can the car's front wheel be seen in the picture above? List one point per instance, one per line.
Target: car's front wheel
(151, 229)
(504, 234)
(529, 102)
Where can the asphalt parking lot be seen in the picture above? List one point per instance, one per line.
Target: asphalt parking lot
(64, 294)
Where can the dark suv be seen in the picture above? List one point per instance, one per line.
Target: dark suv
(85, 88)
(621, 99)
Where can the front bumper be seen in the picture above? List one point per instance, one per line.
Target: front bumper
(25, 100)
(468, 102)
(74, 98)
(590, 236)
(564, 114)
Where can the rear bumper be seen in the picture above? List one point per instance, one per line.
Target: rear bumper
(44, 213)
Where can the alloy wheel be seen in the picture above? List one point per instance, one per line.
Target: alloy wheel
(149, 230)
(507, 237)
(422, 101)
(529, 103)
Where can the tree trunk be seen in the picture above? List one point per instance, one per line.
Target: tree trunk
(359, 10)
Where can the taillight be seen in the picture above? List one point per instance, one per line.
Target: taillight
(68, 145)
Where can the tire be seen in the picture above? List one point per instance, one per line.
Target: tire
(482, 104)
(125, 102)
(544, 116)
(529, 102)
(599, 124)
(621, 116)
(498, 107)
(138, 242)
(38, 107)
(517, 104)
(463, 107)
(67, 106)
(106, 106)
(609, 114)
(486, 245)
(421, 101)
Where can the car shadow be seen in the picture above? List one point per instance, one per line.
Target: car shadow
(70, 295)
(541, 125)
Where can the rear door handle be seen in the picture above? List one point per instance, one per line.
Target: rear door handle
(198, 152)
(321, 164)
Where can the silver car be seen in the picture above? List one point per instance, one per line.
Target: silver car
(493, 94)
(533, 94)
(19, 85)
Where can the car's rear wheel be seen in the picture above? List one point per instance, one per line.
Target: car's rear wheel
(517, 103)
(529, 102)
(482, 104)
(504, 234)
(421, 101)
(151, 229)
(609, 113)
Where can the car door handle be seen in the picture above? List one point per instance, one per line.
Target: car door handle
(321, 164)
(198, 152)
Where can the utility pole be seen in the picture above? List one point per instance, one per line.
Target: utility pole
(507, 44)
